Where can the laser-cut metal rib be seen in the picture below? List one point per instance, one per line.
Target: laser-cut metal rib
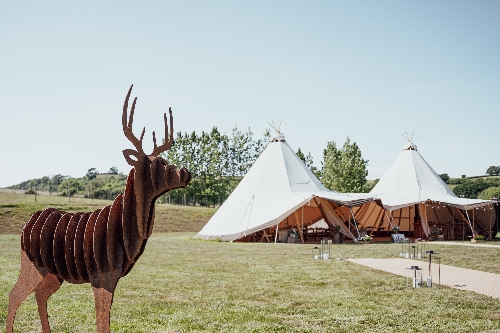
(96, 247)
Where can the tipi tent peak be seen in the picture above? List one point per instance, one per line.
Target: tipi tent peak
(279, 188)
(412, 191)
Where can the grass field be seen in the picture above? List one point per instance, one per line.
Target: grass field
(16, 209)
(185, 285)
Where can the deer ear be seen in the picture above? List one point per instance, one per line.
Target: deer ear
(129, 155)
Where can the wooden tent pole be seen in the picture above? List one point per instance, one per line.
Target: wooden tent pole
(298, 226)
(376, 224)
(302, 217)
(360, 214)
(453, 225)
(370, 214)
(466, 219)
(491, 215)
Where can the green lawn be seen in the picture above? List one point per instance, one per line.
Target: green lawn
(16, 209)
(185, 285)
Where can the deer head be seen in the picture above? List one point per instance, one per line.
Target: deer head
(151, 176)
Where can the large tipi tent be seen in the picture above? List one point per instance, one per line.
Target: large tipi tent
(278, 192)
(417, 202)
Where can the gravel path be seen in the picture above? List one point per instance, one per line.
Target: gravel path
(454, 277)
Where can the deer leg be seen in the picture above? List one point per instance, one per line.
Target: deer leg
(103, 300)
(43, 291)
(29, 279)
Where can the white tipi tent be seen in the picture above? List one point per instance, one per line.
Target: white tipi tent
(415, 198)
(276, 187)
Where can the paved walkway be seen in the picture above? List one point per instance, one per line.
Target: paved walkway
(453, 277)
(468, 243)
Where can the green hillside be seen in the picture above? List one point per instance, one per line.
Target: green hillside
(16, 209)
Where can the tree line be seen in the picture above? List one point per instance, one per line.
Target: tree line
(480, 187)
(92, 185)
(217, 161)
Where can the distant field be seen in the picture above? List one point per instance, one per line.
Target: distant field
(16, 209)
(185, 285)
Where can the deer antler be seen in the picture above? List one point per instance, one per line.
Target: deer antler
(168, 141)
(127, 127)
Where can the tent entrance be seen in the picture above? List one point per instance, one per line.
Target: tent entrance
(310, 223)
(429, 220)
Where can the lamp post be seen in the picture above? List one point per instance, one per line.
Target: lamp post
(429, 279)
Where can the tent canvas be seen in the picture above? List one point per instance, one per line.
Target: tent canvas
(411, 191)
(276, 187)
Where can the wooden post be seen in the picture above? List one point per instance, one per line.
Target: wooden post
(298, 227)
(463, 224)
(69, 192)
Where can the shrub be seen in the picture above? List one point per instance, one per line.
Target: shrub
(456, 181)
(489, 193)
(470, 189)
(445, 177)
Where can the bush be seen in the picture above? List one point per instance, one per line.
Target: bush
(456, 181)
(493, 170)
(470, 189)
(445, 177)
(107, 193)
(489, 193)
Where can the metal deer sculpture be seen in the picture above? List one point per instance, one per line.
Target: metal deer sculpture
(101, 246)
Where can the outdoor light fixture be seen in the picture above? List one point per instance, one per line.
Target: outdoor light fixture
(316, 252)
(429, 278)
(415, 280)
(326, 248)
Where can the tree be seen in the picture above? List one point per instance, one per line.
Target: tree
(445, 177)
(74, 187)
(493, 171)
(489, 193)
(217, 162)
(308, 161)
(113, 170)
(344, 169)
(463, 176)
(57, 179)
(471, 188)
(92, 173)
(371, 185)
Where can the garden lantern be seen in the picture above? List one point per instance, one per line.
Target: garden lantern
(326, 247)
(316, 252)
(429, 278)
(415, 283)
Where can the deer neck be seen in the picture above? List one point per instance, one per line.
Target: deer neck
(138, 210)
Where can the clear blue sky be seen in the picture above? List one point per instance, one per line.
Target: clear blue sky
(370, 70)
